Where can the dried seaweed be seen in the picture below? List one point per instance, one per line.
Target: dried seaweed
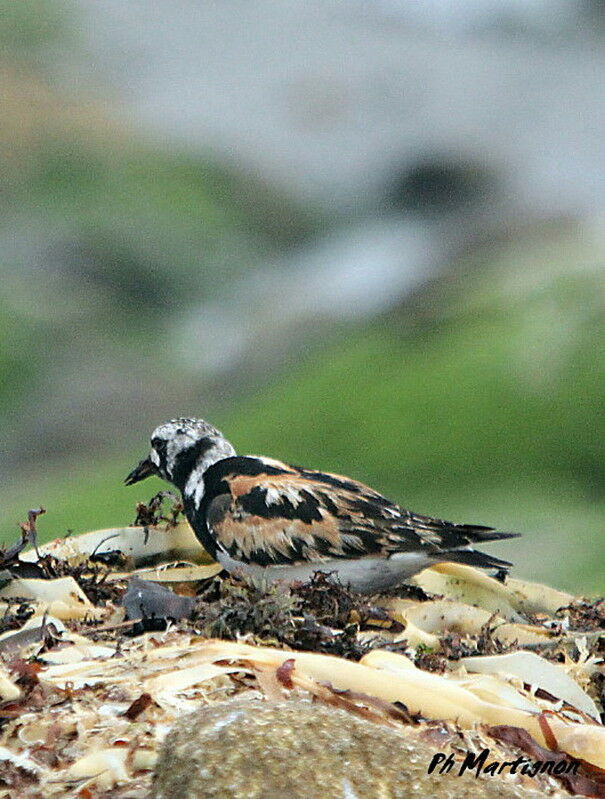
(91, 576)
(16, 619)
(590, 781)
(9, 558)
(242, 607)
(16, 778)
(124, 693)
(320, 616)
(430, 661)
(153, 512)
(328, 601)
(584, 614)
(137, 707)
(454, 646)
(487, 643)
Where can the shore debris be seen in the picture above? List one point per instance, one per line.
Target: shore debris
(114, 634)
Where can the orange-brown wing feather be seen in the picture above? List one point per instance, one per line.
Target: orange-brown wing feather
(295, 516)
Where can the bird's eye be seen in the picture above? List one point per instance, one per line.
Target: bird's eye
(158, 443)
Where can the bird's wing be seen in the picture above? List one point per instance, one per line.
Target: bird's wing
(293, 515)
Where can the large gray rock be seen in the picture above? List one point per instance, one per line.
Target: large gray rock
(254, 750)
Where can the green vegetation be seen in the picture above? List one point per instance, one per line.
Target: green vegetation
(115, 240)
(27, 29)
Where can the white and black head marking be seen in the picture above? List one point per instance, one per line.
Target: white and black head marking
(181, 448)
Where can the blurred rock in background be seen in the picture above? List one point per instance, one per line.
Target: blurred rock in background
(366, 237)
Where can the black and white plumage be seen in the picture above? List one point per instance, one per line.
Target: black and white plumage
(271, 519)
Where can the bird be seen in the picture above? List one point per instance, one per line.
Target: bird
(271, 520)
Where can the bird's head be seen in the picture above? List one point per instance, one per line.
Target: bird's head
(179, 448)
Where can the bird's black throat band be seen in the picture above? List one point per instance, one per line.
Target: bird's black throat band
(187, 460)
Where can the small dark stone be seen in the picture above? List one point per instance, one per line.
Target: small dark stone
(147, 600)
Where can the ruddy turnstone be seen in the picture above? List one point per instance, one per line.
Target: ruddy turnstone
(268, 518)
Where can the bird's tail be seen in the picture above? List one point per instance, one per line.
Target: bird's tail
(472, 557)
(475, 532)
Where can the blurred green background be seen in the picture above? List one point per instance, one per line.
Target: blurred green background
(409, 294)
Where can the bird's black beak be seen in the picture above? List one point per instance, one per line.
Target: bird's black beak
(145, 469)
